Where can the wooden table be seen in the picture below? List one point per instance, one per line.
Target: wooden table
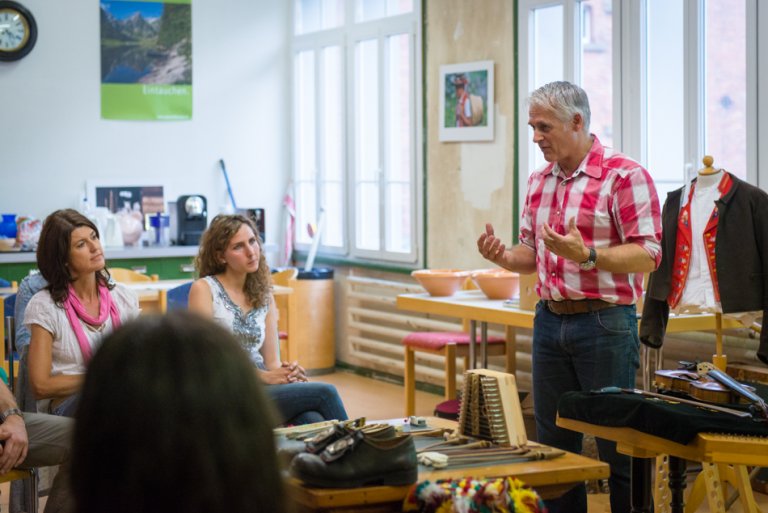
(550, 478)
(473, 304)
(723, 457)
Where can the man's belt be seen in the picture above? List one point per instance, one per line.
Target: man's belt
(577, 306)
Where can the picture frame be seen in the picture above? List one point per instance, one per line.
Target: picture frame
(116, 194)
(468, 89)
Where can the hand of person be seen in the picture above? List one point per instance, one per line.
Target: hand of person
(491, 247)
(570, 246)
(13, 451)
(297, 371)
(277, 376)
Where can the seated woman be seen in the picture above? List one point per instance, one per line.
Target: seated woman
(172, 418)
(234, 289)
(68, 318)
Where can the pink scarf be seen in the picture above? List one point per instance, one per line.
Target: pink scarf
(76, 312)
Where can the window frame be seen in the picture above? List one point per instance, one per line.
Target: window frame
(629, 75)
(347, 36)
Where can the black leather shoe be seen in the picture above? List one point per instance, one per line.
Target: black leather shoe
(358, 460)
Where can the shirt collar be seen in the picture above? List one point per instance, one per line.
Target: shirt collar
(592, 165)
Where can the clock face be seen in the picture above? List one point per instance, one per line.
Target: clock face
(18, 31)
(14, 30)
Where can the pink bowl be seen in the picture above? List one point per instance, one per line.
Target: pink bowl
(440, 282)
(497, 284)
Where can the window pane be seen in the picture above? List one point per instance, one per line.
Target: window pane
(725, 85)
(367, 207)
(597, 66)
(367, 110)
(305, 147)
(333, 204)
(398, 236)
(399, 132)
(371, 9)
(306, 210)
(547, 61)
(666, 99)
(314, 15)
(333, 114)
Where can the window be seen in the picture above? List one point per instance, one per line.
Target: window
(684, 85)
(356, 118)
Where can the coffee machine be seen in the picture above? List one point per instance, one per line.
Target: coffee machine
(191, 219)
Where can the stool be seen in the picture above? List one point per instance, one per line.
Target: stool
(450, 344)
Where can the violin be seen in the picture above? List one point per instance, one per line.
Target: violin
(698, 386)
(709, 384)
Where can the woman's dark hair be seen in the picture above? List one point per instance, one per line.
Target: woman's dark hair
(214, 242)
(53, 251)
(172, 417)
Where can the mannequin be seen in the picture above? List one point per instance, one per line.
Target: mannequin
(715, 255)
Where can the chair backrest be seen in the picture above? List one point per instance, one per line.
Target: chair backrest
(176, 298)
(284, 277)
(129, 275)
(7, 335)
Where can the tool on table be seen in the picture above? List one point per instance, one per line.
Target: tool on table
(490, 408)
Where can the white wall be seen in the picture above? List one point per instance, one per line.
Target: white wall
(53, 140)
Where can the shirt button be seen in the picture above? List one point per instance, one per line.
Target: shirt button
(552, 274)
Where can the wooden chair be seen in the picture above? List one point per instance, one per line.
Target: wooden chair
(7, 336)
(31, 491)
(285, 278)
(123, 275)
(450, 344)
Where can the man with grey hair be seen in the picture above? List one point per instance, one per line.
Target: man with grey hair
(589, 229)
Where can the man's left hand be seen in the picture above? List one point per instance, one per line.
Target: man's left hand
(13, 434)
(570, 245)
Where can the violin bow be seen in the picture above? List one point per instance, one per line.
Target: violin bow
(675, 399)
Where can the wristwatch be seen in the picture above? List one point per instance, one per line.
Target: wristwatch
(11, 411)
(589, 263)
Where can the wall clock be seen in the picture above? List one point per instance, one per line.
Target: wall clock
(18, 31)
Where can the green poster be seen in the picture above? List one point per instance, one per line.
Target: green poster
(146, 59)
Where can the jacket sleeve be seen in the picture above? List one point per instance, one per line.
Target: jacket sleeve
(653, 325)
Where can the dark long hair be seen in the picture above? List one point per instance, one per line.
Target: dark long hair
(53, 251)
(214, 242)
(172, 417)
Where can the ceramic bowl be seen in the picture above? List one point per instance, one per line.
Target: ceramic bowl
(497, 283)
(440, 282)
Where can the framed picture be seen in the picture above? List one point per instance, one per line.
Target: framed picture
(115, 196)
(466, 101)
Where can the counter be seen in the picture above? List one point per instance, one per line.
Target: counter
(172, 262)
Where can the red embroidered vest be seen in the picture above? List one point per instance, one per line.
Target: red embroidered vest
(682, 259)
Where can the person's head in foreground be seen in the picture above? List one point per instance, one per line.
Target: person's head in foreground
(173, 418)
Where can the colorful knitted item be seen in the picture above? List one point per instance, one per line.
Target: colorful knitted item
(467, 495)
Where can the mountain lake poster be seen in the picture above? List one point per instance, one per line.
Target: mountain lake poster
(146, 60)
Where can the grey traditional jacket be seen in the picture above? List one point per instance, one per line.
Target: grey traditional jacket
(741, 260)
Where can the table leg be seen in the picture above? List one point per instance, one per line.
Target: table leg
(641, 484)
(677, 483)
(484, 343)
(472, 342)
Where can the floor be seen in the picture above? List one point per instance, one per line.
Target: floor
(360, 393)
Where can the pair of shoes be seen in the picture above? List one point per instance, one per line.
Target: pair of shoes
(359, 460)
(287, 450)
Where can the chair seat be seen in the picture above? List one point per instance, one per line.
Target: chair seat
(434, 340)
(282, 335)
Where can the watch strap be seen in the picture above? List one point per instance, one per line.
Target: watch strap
(10, 411)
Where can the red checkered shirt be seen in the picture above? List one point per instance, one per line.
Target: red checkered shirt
(614, 201)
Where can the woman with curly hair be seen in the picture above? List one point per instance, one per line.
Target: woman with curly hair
(69, 317)
(235, 290)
